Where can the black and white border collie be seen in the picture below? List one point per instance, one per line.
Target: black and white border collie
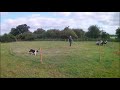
(34, 52)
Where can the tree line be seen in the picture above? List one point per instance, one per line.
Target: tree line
(22, 33)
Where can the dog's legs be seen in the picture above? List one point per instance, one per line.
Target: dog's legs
(35, 53)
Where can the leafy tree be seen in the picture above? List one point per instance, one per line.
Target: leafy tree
(39, 33)
(7, 38)
(104, 35)
(53, 33)
(118, 33)
(20, 29)
(68, 32)
(79, 32)
(26, 36)
(93, 32)
(14, 31)
(66, 28)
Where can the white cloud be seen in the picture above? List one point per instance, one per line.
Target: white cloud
(107, 20)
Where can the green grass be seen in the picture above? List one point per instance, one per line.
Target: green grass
(82, 60)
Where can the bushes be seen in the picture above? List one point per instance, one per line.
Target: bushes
(7, 38)
(27, 36)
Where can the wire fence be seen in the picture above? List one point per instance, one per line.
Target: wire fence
(77, 49)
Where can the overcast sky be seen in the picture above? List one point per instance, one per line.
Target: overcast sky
(107, 21)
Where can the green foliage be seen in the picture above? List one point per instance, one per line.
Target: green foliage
(21, 32)
(39, 31)
(118, 33)
(14, 31)
(104, 35)
(51, 33)
(20, 29)
(7, 38)
(68, 32)
(93, 32)
(79, 32)
(27, 36)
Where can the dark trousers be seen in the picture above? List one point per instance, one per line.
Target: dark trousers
(70, 43)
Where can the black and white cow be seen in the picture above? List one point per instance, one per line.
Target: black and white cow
(101, 42)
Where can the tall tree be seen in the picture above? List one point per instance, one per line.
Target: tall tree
(93, 32)
(39, 31)
(14, 31)
(79, 32)
(104, 35)
(20, 29)
(53, 33)
(118, 33)
(68, 32)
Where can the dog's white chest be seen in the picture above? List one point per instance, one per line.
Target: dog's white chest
(35, 52)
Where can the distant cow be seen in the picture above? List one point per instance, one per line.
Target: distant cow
(101, 42)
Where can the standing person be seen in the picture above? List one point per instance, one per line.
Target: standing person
(70, 40)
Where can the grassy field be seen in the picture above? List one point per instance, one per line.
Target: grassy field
(82, 60)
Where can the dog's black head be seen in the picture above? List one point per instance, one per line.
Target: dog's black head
(32, 50)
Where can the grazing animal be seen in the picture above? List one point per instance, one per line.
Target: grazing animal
(105, 42)
(34, 52)
(101, 42)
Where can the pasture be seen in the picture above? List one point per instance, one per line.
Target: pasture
(82, 60)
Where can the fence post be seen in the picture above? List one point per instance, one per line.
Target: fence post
(99, 53)
(41, 55)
